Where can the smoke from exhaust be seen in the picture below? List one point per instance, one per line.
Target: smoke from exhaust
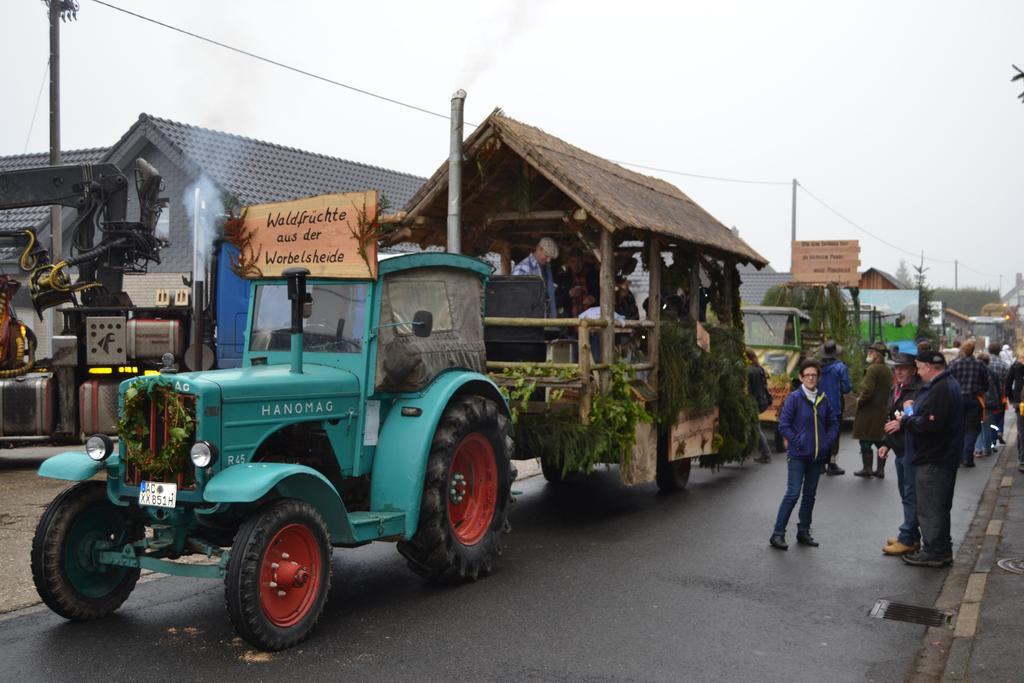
(202, 200)
(494, 40)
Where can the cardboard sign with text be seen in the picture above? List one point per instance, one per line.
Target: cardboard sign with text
(693, 434)
(332, 235)
(827, 261)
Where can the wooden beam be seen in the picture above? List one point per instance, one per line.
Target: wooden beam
(728, 270)
(513, 216)
(607, 284)
(654, 306)
(695, 288)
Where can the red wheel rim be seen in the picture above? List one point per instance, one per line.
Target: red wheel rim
(472, 489)
(290, 575)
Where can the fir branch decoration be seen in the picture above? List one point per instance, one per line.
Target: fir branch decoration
(133, 428)
(241, 237)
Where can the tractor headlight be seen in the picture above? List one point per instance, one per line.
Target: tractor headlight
(203, 454)
(99, 447)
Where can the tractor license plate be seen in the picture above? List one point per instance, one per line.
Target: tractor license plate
(158, 494)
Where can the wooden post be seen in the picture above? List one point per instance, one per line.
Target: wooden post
(607, 299)
(725, 315)
(505, 251)
(654, 307)
(695, 288)
(584, 357)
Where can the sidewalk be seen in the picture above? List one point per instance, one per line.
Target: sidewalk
(985, 641)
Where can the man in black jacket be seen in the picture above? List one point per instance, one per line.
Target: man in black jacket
(1014, 391)
(902, 396)
(935, 428)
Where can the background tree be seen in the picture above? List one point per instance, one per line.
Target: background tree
(904, 276)
(925, 297)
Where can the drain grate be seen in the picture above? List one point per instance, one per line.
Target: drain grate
(1014, 565)
(897, 611)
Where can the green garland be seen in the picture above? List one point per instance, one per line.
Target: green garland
(692, 379)
(560, 438)
(134, 430)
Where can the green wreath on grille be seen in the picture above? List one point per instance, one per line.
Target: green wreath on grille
(134, 430)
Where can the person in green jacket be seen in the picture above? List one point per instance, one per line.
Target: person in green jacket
(872, 406)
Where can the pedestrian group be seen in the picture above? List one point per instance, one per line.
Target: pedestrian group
(929, 418)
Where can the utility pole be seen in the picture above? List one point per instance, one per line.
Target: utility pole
(956, 275)
(56, 227)
(792, 237)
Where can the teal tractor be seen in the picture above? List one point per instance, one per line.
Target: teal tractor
(362, 412)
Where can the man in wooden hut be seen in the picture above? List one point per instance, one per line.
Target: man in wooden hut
(539, 263)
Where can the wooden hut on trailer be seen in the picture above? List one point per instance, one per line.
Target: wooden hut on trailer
(520, 184)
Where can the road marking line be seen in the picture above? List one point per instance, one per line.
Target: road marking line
(1006, 482)
(995, 527)
(967, 620)
(975, 590)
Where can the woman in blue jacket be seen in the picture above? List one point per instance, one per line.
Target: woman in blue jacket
(810, 427)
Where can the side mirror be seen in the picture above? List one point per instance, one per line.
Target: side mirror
(422, 323)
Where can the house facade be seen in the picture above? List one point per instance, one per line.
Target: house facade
(189, 157)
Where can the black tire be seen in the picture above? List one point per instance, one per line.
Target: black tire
(672, 475)
(62, 569)
(553, 473)
(437, 551)
(255, 562)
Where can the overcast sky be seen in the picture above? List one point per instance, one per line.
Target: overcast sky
(899, 115)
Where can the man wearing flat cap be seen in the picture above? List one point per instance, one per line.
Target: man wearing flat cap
(901, 399)
(935, 429)
(872, 404)
(835, 381)
(539, 263)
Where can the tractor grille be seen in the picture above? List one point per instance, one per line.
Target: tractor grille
(159, 427)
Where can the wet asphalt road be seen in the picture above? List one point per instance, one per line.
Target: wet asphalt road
(598, 582)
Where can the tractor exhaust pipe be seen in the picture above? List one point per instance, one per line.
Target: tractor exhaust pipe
(297, 295)
(455, 175)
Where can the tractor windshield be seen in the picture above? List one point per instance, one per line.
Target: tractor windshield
(769, 329)
(334, 322)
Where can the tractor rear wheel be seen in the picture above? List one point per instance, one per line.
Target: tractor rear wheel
(464, 510)
(279, 574)
(672, 475)
(64, 570)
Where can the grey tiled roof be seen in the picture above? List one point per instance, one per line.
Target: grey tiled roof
(12, 220)
(257, 172)
(754, 285)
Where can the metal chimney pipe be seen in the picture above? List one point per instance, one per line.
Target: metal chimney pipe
(455, 175)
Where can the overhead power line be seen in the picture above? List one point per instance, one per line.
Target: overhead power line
(282, 65)
(35, 111)
(442, 115)
(706, 177)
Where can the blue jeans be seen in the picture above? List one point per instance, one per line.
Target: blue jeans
(801, 474)
(935, 484)
(972, 425)
(905, 481)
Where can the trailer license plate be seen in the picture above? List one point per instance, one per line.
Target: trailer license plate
(158, 494)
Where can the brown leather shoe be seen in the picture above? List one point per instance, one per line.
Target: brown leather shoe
(898, 548)
(891, 540)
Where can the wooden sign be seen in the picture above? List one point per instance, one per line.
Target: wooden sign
(693, 434)
(827, 261)
(332, 235)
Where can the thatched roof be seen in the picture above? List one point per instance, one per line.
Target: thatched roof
(614, 197)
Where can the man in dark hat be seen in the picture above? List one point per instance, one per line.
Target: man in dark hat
(972, 377)
(935, 427)
(872, 404)
(835, 381)
(901, 399)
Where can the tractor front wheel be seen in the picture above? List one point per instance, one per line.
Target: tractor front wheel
(464, 510)
(64, 567)
(279, 574)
